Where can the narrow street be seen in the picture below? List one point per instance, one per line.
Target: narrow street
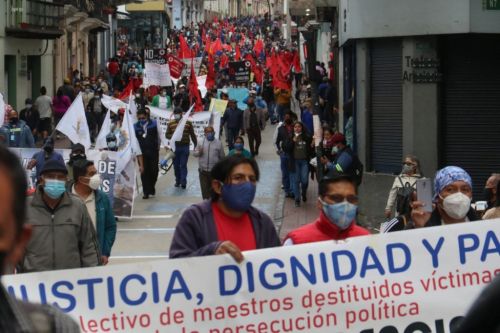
(148, 235)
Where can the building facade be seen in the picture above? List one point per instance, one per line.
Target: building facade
(424, 80)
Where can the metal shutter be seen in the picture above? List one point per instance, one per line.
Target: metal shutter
(386, 117)
(470, 121)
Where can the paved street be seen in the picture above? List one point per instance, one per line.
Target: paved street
(148, 235)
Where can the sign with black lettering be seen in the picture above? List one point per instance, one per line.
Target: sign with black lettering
(239, 71)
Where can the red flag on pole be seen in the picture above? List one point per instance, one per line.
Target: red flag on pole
(194, 93)
(237, 55)
(210, 83)
(258, 47)
(185, 51)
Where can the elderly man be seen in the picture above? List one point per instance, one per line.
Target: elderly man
(209, 153)
(452, 199)
(16, 316)
(63, 235)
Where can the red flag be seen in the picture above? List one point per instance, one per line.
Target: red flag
(210, 83)
(237, 55)
(127, 90)
(258, 74)
(258, 47)
(216, 46)
(224, 61)
(185, 51)
(194, 93)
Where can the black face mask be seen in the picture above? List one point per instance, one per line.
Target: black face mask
(76, 157)
(14, 120)
(488, 194)
(48, 149)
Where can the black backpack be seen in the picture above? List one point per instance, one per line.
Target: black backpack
(403, 198)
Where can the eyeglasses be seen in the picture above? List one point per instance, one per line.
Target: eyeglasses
(337, 198)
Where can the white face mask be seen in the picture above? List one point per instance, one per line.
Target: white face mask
(335, 150)
(95, 181)
(456, 205)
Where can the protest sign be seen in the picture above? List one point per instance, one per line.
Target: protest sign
(156, 75)
(186, 71)
(118, 185)
(218, 105)
(176, 66)
(199, 120)
(421, 280)
(238, 94)
(155, 56)
(239, 71)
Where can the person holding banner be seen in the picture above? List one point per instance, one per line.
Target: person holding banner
(452, 200)
(181, 147)
(63, 236)
(228, 223)
(338, 204)
(86, 187)
(17, 316)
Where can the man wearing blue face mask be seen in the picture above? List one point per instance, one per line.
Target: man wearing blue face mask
(338, 204)
(63, 235)
(209, 153)
(228, 223)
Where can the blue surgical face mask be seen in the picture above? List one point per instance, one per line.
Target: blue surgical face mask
(112, 144)
(143, 122)
(238, 197)
(341, 214)
(211, 136)
(54, 188)
(238, 146)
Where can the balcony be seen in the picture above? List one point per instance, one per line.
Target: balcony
(33, 19)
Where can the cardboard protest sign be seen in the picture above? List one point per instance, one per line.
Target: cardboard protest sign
(199, 120)
(239, 71)
(156, 75)
(218, 105)
(422, 280)
(187, 68)
(120, 186)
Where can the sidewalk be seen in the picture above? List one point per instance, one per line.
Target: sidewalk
(294, 217)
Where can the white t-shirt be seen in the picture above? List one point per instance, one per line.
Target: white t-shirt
(90, 204)
(43, 103)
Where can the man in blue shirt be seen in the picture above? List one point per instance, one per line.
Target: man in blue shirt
(46, 154)
(233, 118)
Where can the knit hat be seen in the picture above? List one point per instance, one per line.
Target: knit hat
(54, 166)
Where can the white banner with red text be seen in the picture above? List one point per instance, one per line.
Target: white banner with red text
(411, 281)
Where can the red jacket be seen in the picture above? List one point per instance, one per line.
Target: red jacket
(322, 229)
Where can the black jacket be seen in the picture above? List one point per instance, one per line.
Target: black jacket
(435, 219)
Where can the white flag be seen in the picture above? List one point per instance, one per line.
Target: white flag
(113, 104)
(100, 142)
(2, 110)
(177, 136)
(131, 146)
(74, 123)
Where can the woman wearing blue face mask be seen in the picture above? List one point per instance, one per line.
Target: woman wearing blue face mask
(338, 205)
(239, 148)
(228, 223)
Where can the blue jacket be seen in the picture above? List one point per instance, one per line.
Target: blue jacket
(105, 223)
(17, 136)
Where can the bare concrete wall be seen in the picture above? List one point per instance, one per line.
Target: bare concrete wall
(373, 194)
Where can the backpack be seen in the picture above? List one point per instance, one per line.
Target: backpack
(357, 170)
(403, 197)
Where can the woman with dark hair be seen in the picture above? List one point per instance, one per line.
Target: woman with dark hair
(227, 223)
(239, 148)
(60, 104)
(300, 150)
